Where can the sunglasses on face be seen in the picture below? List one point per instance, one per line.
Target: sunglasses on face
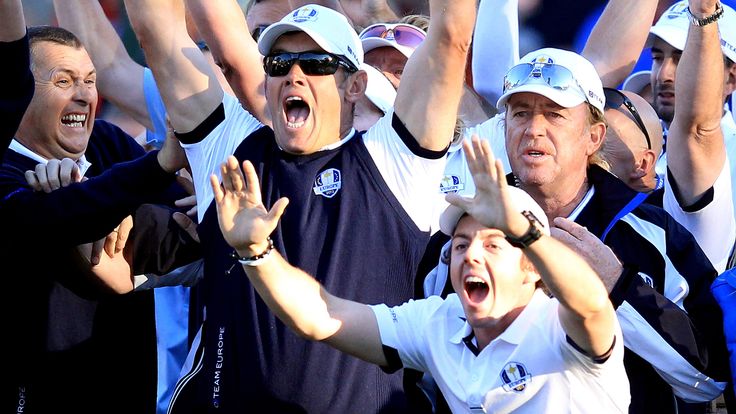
(311, 63)
(615, 99)
(555, 76)
(402, 34)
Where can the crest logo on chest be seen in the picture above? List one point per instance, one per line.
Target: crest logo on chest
(328, 183)
(515, 377)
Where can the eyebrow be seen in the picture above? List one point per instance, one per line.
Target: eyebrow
(72, 73)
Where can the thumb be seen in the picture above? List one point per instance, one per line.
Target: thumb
(277, 210)
(459, 201)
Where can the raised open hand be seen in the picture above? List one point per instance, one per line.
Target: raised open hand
(244, 221)
(492, 204)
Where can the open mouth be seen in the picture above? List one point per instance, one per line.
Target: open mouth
(74, 120)
(297, 111)
(476, 289)
(534, 153)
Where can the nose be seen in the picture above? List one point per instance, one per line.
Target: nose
(666, 70)
(84, 93)
(296, 75)
(474, 252)
(536, 125)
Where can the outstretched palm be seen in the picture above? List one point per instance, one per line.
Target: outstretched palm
(492, 204)
(244, 221)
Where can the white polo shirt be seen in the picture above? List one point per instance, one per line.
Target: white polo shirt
(529, 368)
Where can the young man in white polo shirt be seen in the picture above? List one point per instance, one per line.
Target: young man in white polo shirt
(499, 344)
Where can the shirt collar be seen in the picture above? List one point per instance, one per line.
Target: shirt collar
(16, 146)
(340, 142)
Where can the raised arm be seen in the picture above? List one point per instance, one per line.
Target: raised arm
(586, 313)
(14, 23)
(187, 83)
(427, 100)
(695, 147)
(119, 77)
(618, 38)
(226, 32)
(18, 91)
(495, 46)
(292, 295)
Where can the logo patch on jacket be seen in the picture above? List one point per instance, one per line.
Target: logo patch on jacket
(451, 184)
(328, 183)
(515, 377)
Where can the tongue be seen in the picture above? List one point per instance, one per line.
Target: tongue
(477, 292)
(297, 115)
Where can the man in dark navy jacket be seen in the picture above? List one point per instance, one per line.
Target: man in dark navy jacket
(74, 345)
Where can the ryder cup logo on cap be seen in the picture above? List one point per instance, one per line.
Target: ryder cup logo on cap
(520, 199)
(672, 27)
(328, 28)
(565, 77)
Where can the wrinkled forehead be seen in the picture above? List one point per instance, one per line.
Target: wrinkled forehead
(48, 55)
(266, 12)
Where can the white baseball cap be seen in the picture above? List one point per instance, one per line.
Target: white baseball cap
(401, 36)
(578, 80)
(637, 81)
(522, 201)
(674, 23)
(328, 28)
(379, 90)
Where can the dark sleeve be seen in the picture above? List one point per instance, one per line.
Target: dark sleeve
(695, 333)
(86, 211)
(17, 90)
(157, 244)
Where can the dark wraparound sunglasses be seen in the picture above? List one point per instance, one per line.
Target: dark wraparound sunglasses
(311, 63)
(615, 99)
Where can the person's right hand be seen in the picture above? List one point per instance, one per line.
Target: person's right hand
(171, 157)
(53, 175)
(244, 220)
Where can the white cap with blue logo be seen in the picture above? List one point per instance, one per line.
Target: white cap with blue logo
(565, 77)
(328, 28)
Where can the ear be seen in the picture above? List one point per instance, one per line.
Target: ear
(356, 86)
(647, 162)
(597, 135)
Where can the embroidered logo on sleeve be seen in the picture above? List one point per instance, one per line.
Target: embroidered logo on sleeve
(328, 183)
(515, 377)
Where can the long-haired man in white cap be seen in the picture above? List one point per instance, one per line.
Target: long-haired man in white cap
(499, 343)
(355, 199)
(554, 126)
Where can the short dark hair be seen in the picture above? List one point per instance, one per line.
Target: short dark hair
(53, 34)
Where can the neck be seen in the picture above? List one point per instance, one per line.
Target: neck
(487, 333)
(558, 202)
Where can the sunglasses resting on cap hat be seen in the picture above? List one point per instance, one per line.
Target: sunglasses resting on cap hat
(328, 28)
(565, 77)
(403, 37)
(522, 201)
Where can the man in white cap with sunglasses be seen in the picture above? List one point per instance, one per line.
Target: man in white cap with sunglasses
(554, 126)
(499, 344)
(357, 201)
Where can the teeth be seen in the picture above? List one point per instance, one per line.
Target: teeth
(293, 98)
(295, 124)
(74, 117)
(474, 279)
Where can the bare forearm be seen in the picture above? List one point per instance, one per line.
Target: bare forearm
(430, 91)
(14, 24)
(226, 32)
(696, 151)
(187, 84)
(618, 37)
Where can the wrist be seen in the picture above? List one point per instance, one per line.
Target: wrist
(705, 16)
(166, 166)
(532, 233)
(254, 254)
